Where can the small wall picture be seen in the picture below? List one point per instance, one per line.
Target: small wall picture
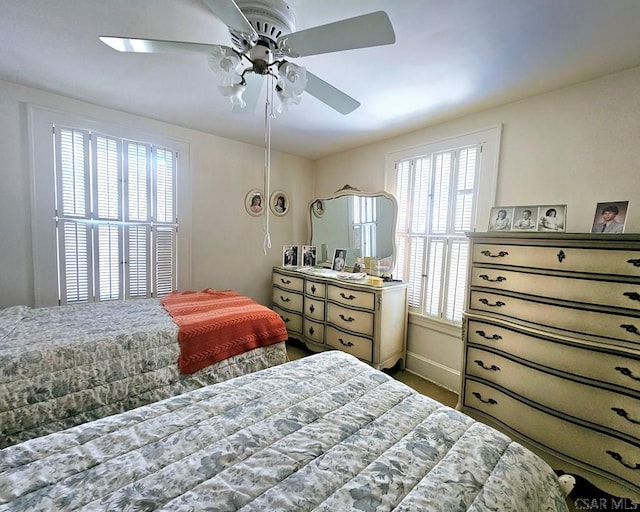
(279, 203)
(317, 207)
(610, 217)
(290, 255)
(525, 218)
(500, 218)
(309, 255)
(552, 218)
(339, 259)
(254, 202)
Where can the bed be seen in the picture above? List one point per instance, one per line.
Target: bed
(325, 433)
(62, 366)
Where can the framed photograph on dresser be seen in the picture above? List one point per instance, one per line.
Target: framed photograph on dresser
(309, 253)
(552, 218)
(290, 256)
(339, 259)
(610, 217)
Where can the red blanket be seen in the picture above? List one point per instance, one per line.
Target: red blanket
(214, 325)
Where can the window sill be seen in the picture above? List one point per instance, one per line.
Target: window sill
(433, 324)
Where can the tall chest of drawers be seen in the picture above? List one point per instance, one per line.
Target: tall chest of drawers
(551, 336)
(369, 322)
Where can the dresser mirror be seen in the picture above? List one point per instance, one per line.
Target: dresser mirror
(363, 223)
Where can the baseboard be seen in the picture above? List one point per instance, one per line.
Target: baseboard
(433, 371)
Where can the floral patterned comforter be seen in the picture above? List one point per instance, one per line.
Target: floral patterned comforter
(62, 366)
(325, 433)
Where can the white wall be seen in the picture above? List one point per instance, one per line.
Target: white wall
(224, 245)
(575, 146)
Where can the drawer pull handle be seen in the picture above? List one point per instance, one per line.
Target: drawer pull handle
(312, 308)
(498, 279)
(561, 256)
(311, 330)
(488, 401)
(350, 297)
(618, 457)
(345, 343)
(285, 320)
(285, 299)
(501, 254)
(498, 304)
(630, 328)
(313, 288)
(350, 319)
(632, 295)
(283, 281)
(492, 368)
(625, 415)
(484, 335)
(635, 263)
(627, 373)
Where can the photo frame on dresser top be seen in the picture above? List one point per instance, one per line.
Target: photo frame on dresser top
(290, 255)
(529, 218)
(610, 217)
(339, 260)
(309, 255)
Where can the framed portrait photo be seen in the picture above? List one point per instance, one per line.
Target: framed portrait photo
(289, 255)
(610, 217)
(500, 218)
(279, 203)
(317, 207)
(254, 202)
(339, 259)
(309, 255)
(552, 218)
(525, 218)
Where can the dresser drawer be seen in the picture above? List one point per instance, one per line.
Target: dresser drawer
(315, 289)
(360, 322)
(287, 300)
(582, 444)
(314, 309)
(354, 345)
(599, 261)
(313, 331)
(618, 369)
(612, 410)
(292, 321)
(589, 291)
(581, 321)
(288, 282)
(351, 298)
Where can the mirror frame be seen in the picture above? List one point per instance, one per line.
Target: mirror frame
(348, 190)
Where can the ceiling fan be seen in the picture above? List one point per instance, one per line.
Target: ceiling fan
(264, 38)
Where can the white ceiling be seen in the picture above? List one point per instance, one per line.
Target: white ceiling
(451, 57)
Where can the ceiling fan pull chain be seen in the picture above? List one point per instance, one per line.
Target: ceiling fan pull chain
(268, 115)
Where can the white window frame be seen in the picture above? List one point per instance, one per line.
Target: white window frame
(486, 183)
(41, 152)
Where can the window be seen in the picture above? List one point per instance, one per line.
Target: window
(115, 217)
(438, 189)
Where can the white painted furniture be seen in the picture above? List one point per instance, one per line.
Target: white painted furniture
(369, 322)
(552, 349)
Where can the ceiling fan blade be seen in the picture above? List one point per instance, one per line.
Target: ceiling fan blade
(328, 94)
(231, 15)
(129, 44)
(251, 94)
(372, 29)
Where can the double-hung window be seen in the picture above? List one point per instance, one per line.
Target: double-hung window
(440, 189)
(115, 217)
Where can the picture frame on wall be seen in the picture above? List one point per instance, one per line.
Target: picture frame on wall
(610, 217)
(339, 259)
(318, 207)
(279, 203)
(254, 202)
(289, 255)
(309, 255)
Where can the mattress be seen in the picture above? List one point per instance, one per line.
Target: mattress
(324, 433)
(62, 366)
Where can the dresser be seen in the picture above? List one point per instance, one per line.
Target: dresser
(367, 321)
(551, 335)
